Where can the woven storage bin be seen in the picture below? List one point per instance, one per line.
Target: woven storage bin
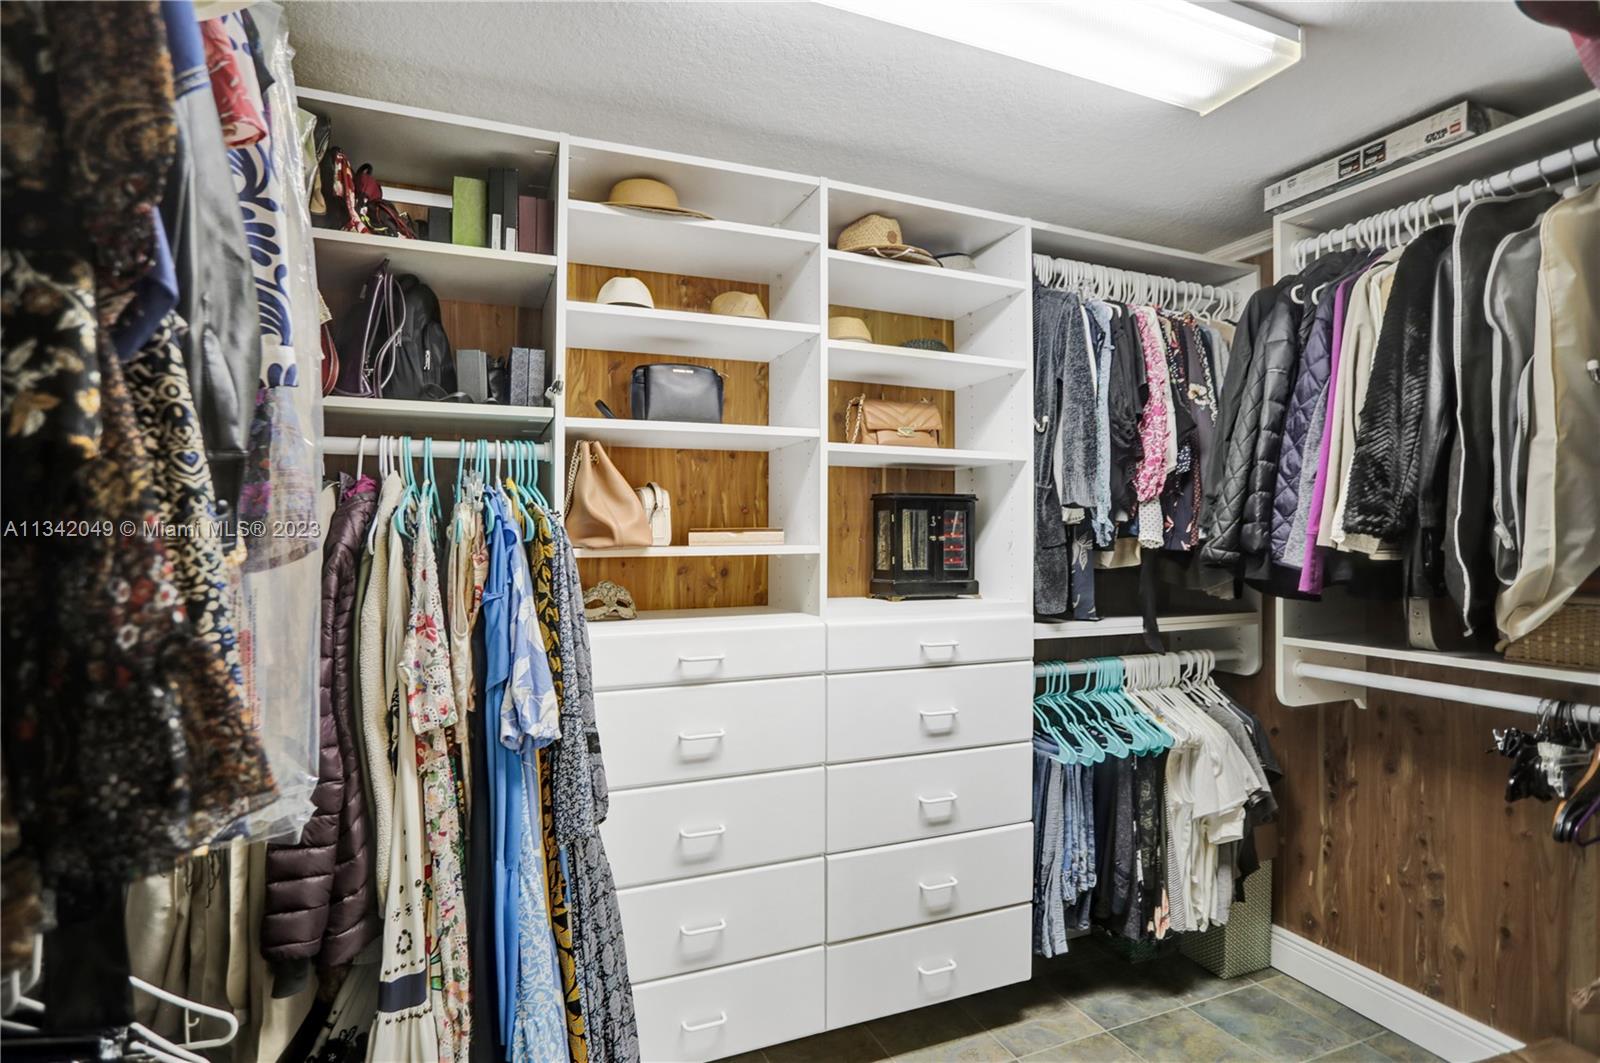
(1244, 945)
(1570, 637)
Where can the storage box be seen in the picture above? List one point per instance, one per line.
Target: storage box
(1424, 136)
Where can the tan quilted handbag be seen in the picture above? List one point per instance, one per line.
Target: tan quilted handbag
(892, 424)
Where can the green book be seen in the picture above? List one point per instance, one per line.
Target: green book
(470, 217)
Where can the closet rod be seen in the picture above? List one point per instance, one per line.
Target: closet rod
(1047, 269)
(1427, 688)
(442, 448)
(1524, 178)
(1084, 667)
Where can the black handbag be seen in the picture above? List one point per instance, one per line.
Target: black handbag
(672, 392)
(424, 365)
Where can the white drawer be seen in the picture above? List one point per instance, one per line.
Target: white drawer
(690, 649)
(913, 968)
(731, 1009)
(918, 882)
(673, 734)
(922, 637)
(677, 927)
(667, 832)
(887, 714)
(885, 801)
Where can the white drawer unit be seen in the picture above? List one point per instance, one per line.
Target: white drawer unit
(730, 1010)
(668, 832)
(691, 650)
(681, 733)
(677, 927)
(924, 639)
(913, 968)
(924, 710)
(880, 802)
(876, 890)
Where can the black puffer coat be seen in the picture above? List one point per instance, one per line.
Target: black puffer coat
(320, 897)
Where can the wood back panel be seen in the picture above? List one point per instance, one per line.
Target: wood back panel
(895, 329)
(709, 488)
(1397, 850)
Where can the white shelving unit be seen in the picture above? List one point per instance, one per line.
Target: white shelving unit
(791, 680)
(1337, 630)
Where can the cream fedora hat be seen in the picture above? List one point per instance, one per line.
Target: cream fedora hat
(625, 291)
(878, 235)
(738, 304)
(646, 193)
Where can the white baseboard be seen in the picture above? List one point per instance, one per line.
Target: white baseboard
(1440, 1029)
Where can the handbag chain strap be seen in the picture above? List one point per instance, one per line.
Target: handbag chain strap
(854, 431)
(572, 478)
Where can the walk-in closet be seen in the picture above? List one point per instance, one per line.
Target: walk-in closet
(828, 530)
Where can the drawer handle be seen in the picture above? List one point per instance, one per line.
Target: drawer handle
(703, 736)
(720, 924)
(929, 973)
(948, 645)
(704, 658)
(696, 1027)
(719, 829)
(941, 799)
(951, 884)
(939, 714)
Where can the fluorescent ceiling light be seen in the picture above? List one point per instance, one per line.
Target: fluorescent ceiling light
(1194, 55)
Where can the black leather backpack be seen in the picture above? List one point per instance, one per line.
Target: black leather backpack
(424, 364)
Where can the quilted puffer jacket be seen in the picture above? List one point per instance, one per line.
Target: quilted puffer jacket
(1310, 386)
(1214, 517)
(319, 894)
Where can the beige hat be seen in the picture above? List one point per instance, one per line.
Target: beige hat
(738, 304)
(849, 328)
(880, 236)
(625, 291)
(646, 193)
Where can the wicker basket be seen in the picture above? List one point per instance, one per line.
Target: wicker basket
(1570, 637)
(1244, 944)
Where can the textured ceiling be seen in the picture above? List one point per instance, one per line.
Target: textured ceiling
(804, 87)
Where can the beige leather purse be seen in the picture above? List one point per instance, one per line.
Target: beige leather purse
(602, 510)
(892, 424)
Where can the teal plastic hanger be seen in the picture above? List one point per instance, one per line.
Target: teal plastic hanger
(1074, 719)
(408, 495)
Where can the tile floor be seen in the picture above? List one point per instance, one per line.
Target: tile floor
(1094, 1007)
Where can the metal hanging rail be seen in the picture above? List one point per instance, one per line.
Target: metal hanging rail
(442, 448)
(1540, 173)
(1084, 667)
(1128, 285)
(1427, 688)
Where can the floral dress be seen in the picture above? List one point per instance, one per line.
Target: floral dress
(431, 711)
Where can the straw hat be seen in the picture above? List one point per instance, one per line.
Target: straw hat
(957, 260)
(877, 235)
(849, 328)
(626, 291)
(738, 304)
(646, 193)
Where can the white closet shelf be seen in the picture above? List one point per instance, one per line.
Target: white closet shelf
(1134, 625)
(679, 435)
(866, 456)
(344, 416)
(1476, 662)
(879, 609)
(632, 239)
(906, 288)
(472, 274)
(1062, 241)
(596, 326)
(724, 550)
(428, 149)
(878, 363)
(668, 620)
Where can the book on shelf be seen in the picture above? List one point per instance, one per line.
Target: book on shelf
(470, 215)
(735, 536)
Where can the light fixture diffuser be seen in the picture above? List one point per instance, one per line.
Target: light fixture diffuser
(1194, 55)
